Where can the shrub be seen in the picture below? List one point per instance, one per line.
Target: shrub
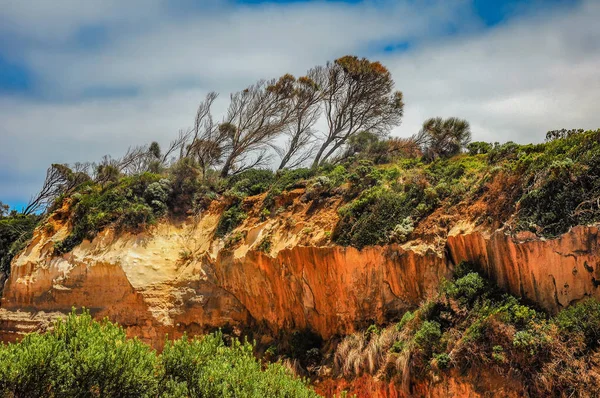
(406, 318)
(582, 318)
(402, 231)
(80, 357)
(84, 358)
(442, 360)
(157, 195)
(428, 336)
(206, 367)
(479, 147)
(251, 182)
(369, 219)
(15, 232)
(184, 176)
(265, 244)
(466, 289)
(229, 220)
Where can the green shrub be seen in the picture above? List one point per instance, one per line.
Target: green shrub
(582, 318)
(406, 318)
(15, 231)
(369, 219)
(428, 336)
(479, 147)
(185, 185)
(84, 358)
(442, 360)
(229, 220)
(251, 182)
(206, 367)
(79, 357)
(466, 289)
(402, 231)
(265, 244)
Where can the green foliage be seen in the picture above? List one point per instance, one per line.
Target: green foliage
(229, 220)
(428, 336)
(467, 288)
(286, 180)
(567, 194)
(370, 218)
(372, 330)
(443, 137)
(79, 357)
(402, 231)
(84, 358)
(581, 319)
(406, 318)
(184, 176)
(15, 231)
(206, 367)
(265, 244)
(251, 182)
(479, 148)
(398, 347)
(132, 203)
(442, 360)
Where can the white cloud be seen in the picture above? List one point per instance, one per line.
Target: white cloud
(513, 82)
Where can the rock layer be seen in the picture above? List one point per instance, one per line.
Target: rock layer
(176, 278)
(550, 272)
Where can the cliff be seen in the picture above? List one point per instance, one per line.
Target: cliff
(177, 278)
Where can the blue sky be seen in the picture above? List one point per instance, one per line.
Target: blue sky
(82, 79)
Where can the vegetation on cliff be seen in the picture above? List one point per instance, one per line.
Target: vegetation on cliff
(84, 358)
(389, 186)
(472, 325)
(15, 231)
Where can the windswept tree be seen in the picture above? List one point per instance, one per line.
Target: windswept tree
(255, 118)
(60, 179)
(358, 96)
(443, 137)
(305, 95)
(207, 141)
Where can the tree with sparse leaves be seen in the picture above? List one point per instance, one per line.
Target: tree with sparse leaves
(358, 96)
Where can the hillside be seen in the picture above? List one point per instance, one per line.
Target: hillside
(299, 259)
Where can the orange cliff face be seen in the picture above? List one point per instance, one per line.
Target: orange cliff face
(550, 272)
(176, 278)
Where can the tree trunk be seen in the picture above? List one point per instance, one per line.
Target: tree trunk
(226, 167)
(331, 151)
(320, 153)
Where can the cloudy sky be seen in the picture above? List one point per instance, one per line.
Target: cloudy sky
(84, 78)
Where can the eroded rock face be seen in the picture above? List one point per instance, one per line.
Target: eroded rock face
(550, 272)
(177, 278)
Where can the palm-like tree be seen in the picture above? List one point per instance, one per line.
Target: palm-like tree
(443, 137)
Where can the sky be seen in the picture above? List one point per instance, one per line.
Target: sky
(83, 78)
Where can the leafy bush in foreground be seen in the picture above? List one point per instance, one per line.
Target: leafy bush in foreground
(84, 358)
